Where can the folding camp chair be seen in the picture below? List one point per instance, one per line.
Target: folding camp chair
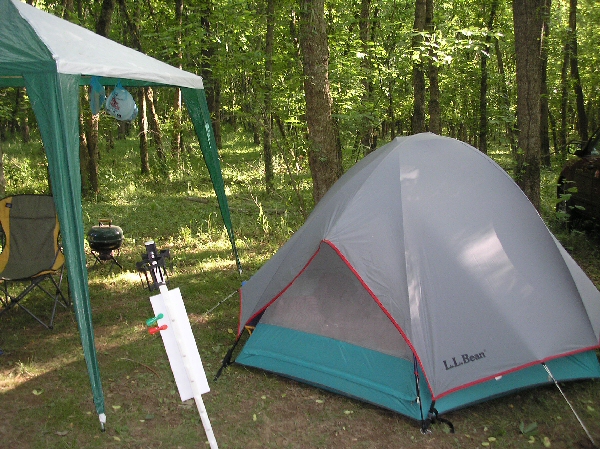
(31, 252)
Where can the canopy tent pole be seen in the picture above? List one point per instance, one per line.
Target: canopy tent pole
(55, 102)
(570, 405)
(195, 101)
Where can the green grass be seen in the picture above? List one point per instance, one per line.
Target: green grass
(45, 394)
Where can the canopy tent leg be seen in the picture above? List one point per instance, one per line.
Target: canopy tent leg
(55, 102)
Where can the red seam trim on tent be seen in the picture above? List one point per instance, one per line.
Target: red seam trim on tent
(381, 306)
(281, 292)
(504, 373)
(240, 316)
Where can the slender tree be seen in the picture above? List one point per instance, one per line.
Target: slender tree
(545, 112)
(368, 133)
(418, 74)
(93, 153)
(325, 159)
(2, 178)
(176, 137)
(435, 112)
(483, 94)
(143, 133)
(582, 124)
(268, 113)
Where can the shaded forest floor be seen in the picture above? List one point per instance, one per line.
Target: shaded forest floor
(45, 394)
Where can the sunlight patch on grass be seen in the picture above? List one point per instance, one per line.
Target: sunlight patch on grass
(21, 372)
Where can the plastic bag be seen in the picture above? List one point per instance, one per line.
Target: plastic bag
(121, 105)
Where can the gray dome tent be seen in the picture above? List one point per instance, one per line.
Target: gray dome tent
(424, 276)
(52, 58)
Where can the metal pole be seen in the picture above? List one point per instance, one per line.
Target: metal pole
(572, 409)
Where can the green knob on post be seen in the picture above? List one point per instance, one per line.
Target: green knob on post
(152, 321)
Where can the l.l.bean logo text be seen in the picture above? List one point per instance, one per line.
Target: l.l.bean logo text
(463, 360)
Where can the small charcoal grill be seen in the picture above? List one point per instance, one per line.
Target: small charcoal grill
(104, 240)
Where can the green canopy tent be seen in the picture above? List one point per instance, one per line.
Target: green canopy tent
(52, 58)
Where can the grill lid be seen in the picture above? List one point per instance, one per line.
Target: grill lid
(105, 236)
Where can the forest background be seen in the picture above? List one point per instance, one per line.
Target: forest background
(319, 85)
(386, 69)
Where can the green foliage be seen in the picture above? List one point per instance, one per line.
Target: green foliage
(528, 430)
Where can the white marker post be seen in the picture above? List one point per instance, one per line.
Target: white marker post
(171, 320)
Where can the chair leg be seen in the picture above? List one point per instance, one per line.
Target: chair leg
(58, 297)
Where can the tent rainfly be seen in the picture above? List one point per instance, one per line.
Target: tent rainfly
(52, 58)
(422, 282)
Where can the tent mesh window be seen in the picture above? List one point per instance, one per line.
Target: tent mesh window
(328, 300)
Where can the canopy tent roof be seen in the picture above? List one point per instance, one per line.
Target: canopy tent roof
(52, 58)
(71, 49)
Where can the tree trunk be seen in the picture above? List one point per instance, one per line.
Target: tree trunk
(544, 113)
(528, 22)
(83, 152)
(506, 106)
(418, 75)
(93, 154)
(368, 136)
(176, 138)
(212, 85)
(143, 124)
(581, 114)
(435, 113)
(268, 113)
(105, 17)
(564, 101)
(325, 159)
(483, 116)
(2, 178)
(154, 124)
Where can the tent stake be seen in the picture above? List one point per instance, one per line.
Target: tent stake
(570, 405)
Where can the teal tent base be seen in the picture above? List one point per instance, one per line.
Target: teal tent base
(385, 380)
(575, 367)
(335, 366)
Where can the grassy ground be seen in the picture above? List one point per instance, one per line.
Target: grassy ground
(45, 396)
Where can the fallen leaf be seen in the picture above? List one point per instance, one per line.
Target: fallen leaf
(590, 408)
(546, 442)
(531, 439)
(348, 412)
(116, 407)
(485, 443)
(254, 417)
(37, 392)
(319, 401)
(62, 433)
(492, 439)
(117, 438)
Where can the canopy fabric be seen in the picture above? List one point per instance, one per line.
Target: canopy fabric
(52, 58)
(78, 51)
